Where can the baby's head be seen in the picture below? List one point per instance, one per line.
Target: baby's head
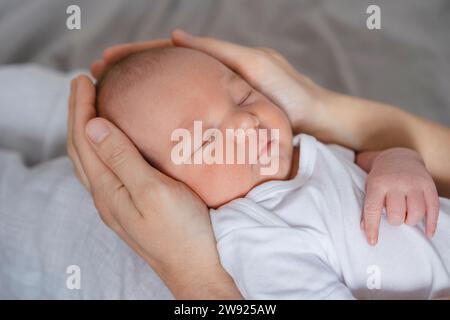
(151, 94)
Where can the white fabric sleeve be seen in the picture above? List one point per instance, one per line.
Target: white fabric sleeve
(272, 262)
(342, 152)
(33, 111)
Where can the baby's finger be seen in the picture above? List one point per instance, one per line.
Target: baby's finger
(395, 207)
(373, 206)
(415, 207)
(432, 205)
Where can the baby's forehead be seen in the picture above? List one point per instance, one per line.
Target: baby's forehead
(186, 87)
(186, 73)
(198, 62)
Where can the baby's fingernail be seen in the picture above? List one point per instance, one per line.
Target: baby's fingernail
(97, 130)
(431, 233)
(372, 240)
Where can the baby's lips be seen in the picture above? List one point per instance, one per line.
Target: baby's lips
(265, 149)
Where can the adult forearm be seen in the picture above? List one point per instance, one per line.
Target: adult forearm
(367, 125)
(211, 284)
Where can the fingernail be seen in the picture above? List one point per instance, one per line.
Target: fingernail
(372, 241)
(97, 130)
(430, 234)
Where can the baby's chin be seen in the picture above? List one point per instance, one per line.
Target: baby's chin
(217, 185)
(219, 195)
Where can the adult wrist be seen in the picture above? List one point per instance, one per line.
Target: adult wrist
(202, 283)
(318, 121)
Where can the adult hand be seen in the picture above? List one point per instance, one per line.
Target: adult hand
(115, 53)
(264, 68)
(159, 218)
(268, 72)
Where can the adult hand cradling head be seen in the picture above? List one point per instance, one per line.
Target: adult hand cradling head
(161, 218)
(136, 201)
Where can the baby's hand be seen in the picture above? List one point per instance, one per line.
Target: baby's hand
(399, 181)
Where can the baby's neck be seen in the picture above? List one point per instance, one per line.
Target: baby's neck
(294, 163)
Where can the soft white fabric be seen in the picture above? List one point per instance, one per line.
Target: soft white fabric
(301, 239)
(47, 219)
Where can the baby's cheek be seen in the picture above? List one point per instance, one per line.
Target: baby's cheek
(219, 184)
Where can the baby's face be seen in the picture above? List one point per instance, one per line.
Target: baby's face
(193, 86)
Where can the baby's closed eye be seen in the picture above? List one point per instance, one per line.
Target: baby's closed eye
(245, 98)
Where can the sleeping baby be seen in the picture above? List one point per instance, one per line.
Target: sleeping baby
(292, 233)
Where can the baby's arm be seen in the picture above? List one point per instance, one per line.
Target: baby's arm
(368, 125)
(398, 180)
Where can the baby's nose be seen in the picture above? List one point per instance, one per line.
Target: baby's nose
(244, 120)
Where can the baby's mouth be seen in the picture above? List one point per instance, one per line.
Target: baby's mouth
(265, 149)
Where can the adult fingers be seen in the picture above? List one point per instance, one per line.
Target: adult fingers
(84, 110)
(277, 56)
(120, 155)
(110, 197)
(122, 228)
(115, 53)
(98, 67)
(395, 207)
(415, 207)
(233, 55)
(79, 171)
(373, 206)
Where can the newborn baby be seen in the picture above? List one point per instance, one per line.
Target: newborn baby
(151, 94)
(294, 233)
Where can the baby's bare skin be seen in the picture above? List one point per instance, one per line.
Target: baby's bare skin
(191, 86)
(188, 86)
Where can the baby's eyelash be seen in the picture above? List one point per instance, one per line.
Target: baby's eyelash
(206, 142)
(245, 98)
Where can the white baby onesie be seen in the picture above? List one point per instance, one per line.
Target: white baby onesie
(301, 239)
